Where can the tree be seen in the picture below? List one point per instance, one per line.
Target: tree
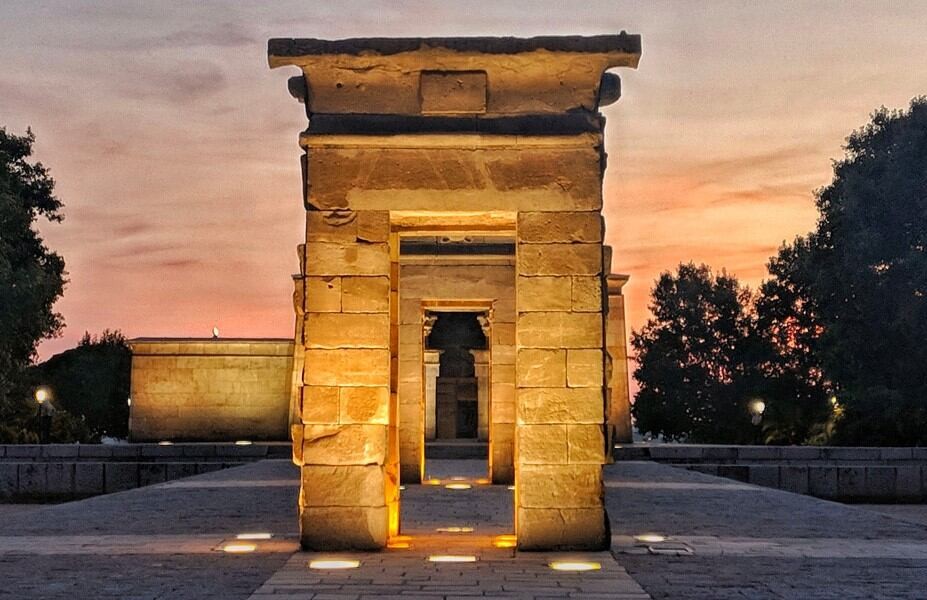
(863, 275)
(692, 370)
(92, 382)
(32, 277)
(795, 391)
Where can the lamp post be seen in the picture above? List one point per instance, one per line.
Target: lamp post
(757, 408)
(45, 411)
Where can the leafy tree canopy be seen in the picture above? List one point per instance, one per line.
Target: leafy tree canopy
(92, 382)
(32, 277)
(862, 274)
(690, 358)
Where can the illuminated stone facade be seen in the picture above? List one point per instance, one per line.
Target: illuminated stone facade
(492, 146)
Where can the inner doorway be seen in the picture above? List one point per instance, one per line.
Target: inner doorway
(458, 340)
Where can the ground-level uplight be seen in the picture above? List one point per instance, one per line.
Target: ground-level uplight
(235, 548)
(333, 564)
(650, 538)
(243, 443)
(457, 486)
(254, 536)
(454, 530)
(451, 558)
(431, 481)
(574, 565)
(399, 542)
(505, 541)
(512, 488)
(165, 443)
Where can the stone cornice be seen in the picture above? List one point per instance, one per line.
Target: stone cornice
(456, 76)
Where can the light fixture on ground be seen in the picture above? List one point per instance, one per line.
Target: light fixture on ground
(399, 542)
(574, 565)
(333, 564)
(505, 541)
(457, 486)
(236, 548)
(165, 443)
(243, 443)
(454, 529)
(512, 488)
(254, 536)
(650, 538)
(451, 558)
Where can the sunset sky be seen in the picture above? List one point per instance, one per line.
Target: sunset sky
(174, 146)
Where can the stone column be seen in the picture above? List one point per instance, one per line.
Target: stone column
(481, 371)
(432, 366)
(342, 447)
(619, 397)
(559, 442)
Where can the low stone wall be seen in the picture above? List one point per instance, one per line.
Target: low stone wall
(210, 389)
(845, 474)
(61, 472)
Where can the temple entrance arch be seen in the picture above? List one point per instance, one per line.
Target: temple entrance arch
(465, 135)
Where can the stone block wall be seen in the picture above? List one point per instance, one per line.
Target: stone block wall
(560, 445)
(343, 439)
(210, 389)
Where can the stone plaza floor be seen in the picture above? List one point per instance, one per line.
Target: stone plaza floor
(723, 539)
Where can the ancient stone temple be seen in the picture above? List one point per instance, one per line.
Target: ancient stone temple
(454, 282)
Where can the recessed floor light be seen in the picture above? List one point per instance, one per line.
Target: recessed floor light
(454, 529)
(166, 443)
(451, 558)
(650, 538)
(505, 541)
(243, 443)
(332, 564)
(239, 548)
(254, 536)
(457, 486)
(574, 565)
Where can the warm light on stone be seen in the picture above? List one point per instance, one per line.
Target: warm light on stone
(576, 566)
(254, 536)
(457, 486)
(505, 541)
(238, 548)
(650, 538)
(333, 564)
(451, 558)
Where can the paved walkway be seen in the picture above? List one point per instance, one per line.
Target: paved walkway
(733, 540)
(723, 540)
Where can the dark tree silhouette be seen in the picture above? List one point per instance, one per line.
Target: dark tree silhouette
(32, 277)
(690, 359)
(862, 276)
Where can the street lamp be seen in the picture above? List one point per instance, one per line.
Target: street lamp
(43, 399)
(757, 408)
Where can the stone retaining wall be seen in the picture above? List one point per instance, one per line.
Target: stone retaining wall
(61, 472)
(187, 452)
(846, 474)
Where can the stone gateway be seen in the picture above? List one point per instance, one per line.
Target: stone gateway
(453, 281)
